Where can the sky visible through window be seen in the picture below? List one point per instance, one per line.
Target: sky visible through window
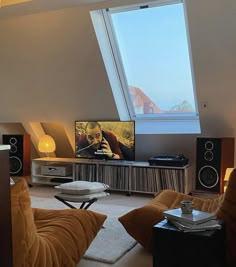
(154, 50)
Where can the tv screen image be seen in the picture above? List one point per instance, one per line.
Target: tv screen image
(109, 140)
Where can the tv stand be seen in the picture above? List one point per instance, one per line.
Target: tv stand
(124, 176)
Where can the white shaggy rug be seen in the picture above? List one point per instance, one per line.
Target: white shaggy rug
(112, 242)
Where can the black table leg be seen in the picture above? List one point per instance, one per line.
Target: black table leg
(84, 205)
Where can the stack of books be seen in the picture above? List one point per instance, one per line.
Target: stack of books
(194, 222)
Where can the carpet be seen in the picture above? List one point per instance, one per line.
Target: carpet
(112, 242)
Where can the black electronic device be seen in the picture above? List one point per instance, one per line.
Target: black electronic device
(171, 161)
(19, 154)
(214, 156)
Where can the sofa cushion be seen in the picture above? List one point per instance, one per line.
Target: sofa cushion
(82, 187)
(51, 238)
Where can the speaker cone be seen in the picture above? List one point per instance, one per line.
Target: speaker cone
(208, 176)
(209, 145)
(208, 155)
(13, 149)
(13, 141)
(15, 165)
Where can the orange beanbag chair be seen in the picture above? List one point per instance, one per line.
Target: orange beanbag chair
(140, 221)
(49, 238)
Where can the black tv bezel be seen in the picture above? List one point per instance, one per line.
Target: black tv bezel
(101, 121)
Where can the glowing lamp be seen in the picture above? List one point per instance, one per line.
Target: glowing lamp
(46, 144)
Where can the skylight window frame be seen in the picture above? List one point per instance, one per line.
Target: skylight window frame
(127, 107)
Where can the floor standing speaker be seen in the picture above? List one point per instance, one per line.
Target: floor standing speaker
(214, 155)
(19, 153)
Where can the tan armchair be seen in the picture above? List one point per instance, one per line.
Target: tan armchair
(49, 238)
(139, 222)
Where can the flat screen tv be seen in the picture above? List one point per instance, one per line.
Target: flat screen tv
(108, 140)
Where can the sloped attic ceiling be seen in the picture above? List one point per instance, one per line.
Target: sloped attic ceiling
(34, 6)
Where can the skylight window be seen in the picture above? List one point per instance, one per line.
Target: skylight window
(147, 57)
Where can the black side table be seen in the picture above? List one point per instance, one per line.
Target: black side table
(174, 248)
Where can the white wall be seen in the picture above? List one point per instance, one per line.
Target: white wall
(51, 70)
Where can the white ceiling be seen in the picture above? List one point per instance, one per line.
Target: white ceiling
(40, 6)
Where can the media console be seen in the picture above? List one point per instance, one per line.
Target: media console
(125, 176)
